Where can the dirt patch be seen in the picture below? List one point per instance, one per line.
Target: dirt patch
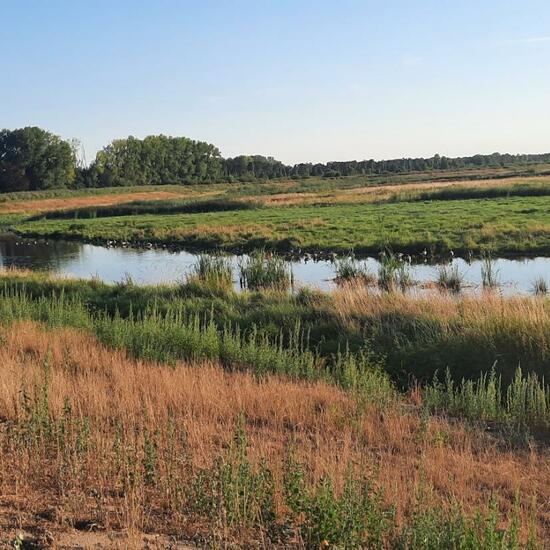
(40, 530)
(48, 205)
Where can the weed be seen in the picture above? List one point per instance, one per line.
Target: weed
(393, 273)
(214, 271)
(489, 273)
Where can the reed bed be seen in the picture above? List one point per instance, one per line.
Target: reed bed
(214, 271)
(92, 439)
(349, 269)
(422, 335)
(262, 270)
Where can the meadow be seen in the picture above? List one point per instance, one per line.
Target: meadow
(466, 212)
(191, 415)
(197, 413)
(503, 225)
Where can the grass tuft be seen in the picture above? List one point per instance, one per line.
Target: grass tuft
(213, 271)
(393, 273)
(349, 269)
(449, 279)
(540, 287)
(263, 270)
(489, 273)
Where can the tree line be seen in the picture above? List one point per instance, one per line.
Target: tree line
(32, 159)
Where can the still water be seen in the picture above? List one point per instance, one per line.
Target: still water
(163, 266)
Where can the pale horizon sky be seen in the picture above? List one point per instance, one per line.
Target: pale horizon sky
(303, 81)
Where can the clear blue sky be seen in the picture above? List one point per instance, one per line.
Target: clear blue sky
(310, 80)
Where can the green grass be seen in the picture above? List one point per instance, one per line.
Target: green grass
(504, 225)
(413, 340)
(522, 406)
(265, 271)
(86, 192)
(462, 192)
(172, 333)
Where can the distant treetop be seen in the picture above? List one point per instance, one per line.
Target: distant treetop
(32, 158)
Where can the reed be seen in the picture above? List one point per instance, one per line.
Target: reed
(489, 273)
(450, 279)
(349, 269)
(214, 271)
(262, 270)
(422, 335)
(540, 287)
(393, 273)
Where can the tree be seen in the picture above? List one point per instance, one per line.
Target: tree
(157, 160)
(31, 158)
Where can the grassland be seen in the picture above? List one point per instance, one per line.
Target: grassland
(501, 211)
(267, 418)
(415, 336)
(504, 225)
(197, 413)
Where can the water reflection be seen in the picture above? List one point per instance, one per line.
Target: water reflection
(156, 266)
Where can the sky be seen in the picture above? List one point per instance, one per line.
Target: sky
(302, 80)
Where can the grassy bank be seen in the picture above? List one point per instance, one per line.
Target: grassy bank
(196, 412)
(467, 210)
(413, 337)
(505, 225)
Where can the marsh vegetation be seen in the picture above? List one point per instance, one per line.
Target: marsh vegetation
(371, 416)
(196, 410)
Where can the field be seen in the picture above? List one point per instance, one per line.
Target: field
(137, 410)
(194, 416)
(464, 212)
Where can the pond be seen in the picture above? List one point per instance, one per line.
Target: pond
(165, 266)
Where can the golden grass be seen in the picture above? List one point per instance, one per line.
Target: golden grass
(385, 192)
(192, 410)
(355, 299)
(50, 205)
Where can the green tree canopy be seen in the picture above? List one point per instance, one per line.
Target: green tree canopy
(31, 158)
(156, 160)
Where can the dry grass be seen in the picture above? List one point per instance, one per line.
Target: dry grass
(49, 205)
(192, 413)
(352, 300)
(386, 192)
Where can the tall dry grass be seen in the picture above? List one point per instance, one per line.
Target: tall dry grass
(467, 333)
(93, 439)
